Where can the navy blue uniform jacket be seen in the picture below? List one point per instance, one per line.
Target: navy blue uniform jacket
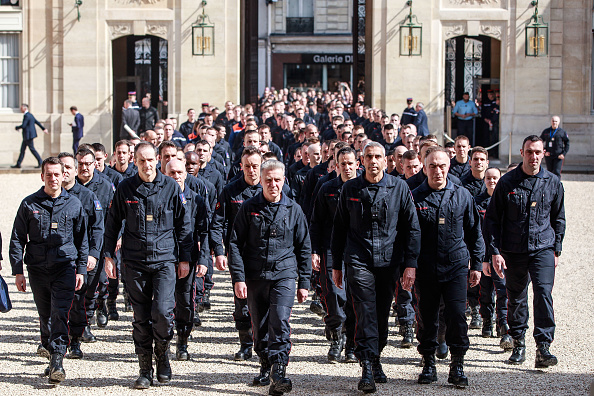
(377, 233)
(524, 219)
(270, 246)
(157, 220)
(50, 231)
(451, 232)
(94, 211)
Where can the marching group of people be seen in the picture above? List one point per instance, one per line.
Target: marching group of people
(369, 213)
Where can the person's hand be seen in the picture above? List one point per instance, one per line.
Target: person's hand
(499, 265)
(221, 262)
(337, 278)
(302, 295)
(183, 269)
(0, 265)
(408, 278)
(240, 290)
(80, 281)
(547, 154)
(91, 263)
(474, 278)
(561, 156)
(46, 131)
(201, 270)
(21, 282)
(118, 245)
(315, 262)
(486, 269)
(556, 261)
(110, 268)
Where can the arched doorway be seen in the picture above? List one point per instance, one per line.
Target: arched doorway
(139, 65)
(473, 65)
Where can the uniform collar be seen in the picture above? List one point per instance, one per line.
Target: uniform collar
(424, 187)
(542, 174)
(382, 183)
(283, 201)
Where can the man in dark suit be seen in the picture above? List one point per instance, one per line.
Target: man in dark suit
(29, 133)
(421, 120)
(130, 121)
(77, 127)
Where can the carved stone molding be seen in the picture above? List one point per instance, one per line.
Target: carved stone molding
(137, 2)
(119, 29)
(157, 29)
(473, 2)
(490, 30)
(453, 30)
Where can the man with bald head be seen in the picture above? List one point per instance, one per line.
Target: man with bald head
(314, 153)
(151, 137)
(556, 145)
(184, 287)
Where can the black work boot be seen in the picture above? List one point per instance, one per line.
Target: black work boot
(145, 379)
(102, 318)
(475, 318)
(279, 382)
(506, 343)
(367, 383)
(263, 379)
(112, 310)
(316, 306)
(206, 300)
(74, 349)
(336, 346)
(442, 348)
(245, 349)
(457, 376)
(429, 373)
(378, 372)
(87, 336)
(162, 361)
(197, 321)
(487, 328)
(518, 355)
(408, 337)
(43, 352)
(349, 351)
(56, 373)
(544, 358)
(181, 352)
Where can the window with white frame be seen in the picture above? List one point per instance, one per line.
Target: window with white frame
(300, 16)
(9, 70)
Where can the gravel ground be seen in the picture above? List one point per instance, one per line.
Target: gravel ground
(110, 366)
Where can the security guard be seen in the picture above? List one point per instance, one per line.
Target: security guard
(77, 320)
(556, 143)
(233, 196)
(51, 227)
(157, 236)
(97, 282)
(269, 250)
(526, 224)
(490, 282)
(335, 299)
(448, 216)
(375, 228)
(184, 287)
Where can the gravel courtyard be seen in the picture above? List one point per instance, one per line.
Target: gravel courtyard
(110, 366)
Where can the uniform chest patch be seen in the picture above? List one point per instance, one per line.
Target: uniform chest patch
(183, 198)
(97, 205)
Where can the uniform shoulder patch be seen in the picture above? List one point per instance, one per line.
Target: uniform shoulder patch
(183, 198)
(218, 206)
(98, 205)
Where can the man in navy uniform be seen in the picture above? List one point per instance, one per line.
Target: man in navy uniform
(77, 126)
(156, 244)
(375, 232)
(51, 228)
(556, 144)
(29, 133)
(269, 250)
(526, 225)
(447, 215)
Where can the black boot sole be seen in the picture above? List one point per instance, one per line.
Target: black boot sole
(242, 356)
(56, 377)
(143, 385)
(257, 382)
(367, 387)
(546, 363)
(182, 357)
(516, 362)
(74, 356)
(426, 380)
(457, 383)
(163, 379)
(281, 388)
(406, 344)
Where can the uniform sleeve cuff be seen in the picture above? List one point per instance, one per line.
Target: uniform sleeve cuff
(219, 250)
(303, 284)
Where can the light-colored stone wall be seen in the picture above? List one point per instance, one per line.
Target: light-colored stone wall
(66, 62)
(333, 17)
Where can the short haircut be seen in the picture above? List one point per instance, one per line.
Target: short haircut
(190, 109)
(84, 151)
(73, 108)
(410, 155)
(448, 145)
(26, 106)
(263, 126)
(99, 148)
(202, 143)
(166, 144)
(346, 150)
(51, 161)
(388, 126)
(272, 165)
(462, 137)
(87, 146)
(312, 140)
(65, 154)
(269, 156)
(435, 149)
(143, 145)
(337, 118)
(531, 138)
(478, 149)
(128, 102)
(250, 132)
(377, 145)
(340, 145)
(249, 151)
(496, 168)
(429, 143)
(123, 142)
(511, 166)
